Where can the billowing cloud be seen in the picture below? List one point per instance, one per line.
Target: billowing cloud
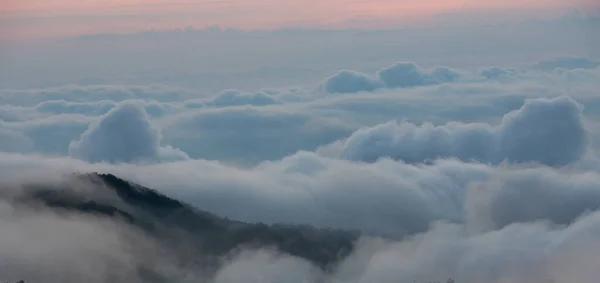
(385, 198)
(399, 75)
(432, 181)
(493, 234)
(124, 134)
(404, 74)
(347, 81)
(550, 132)
(498, 73)
(237, 98)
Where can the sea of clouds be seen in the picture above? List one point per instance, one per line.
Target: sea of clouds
(488, 175)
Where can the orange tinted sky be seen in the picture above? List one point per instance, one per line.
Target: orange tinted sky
(26, 18)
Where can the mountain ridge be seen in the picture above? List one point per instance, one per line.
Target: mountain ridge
(185, 229)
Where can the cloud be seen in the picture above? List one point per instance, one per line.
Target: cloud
(237, 98)
(530, 196)
(399, 75)
(43, 245)
(11, 141)
(567, 63)
(523, 247)
(249, 134)
(347, 81)
(124, 134)
(533, 252)
(402, 75)
(547, 131)
(498, 73)
(52, 135)
(385, 198)
(83, 108)
(73, 94)
(53, 124)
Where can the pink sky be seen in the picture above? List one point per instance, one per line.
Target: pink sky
(32, 18)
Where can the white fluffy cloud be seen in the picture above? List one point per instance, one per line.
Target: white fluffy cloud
(124, 134)
(550, 132)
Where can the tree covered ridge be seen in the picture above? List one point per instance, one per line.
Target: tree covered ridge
(179, 226)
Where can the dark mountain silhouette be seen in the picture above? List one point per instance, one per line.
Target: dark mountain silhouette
(183, 229)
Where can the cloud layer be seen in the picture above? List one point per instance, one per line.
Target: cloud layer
(414, 155)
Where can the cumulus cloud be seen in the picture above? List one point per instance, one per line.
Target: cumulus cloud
(399, 75)
(53, 123)
(237, 98)
(498, 73)
(547, 131)
(124, 134)
(347, 81)
(404, 75)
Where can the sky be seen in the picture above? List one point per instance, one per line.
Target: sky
(37, 18)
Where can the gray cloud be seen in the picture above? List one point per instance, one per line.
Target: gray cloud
(124, 134)
(524, 247)
(84, 108)
(410, 75)
(550, 132)
(11, 141)
(499, 73)
(52, 135)
(347, 81)
(385, 198)
(52, 125)
(449, 216)
(399, 75)
(249, 134)
(237, 98)
(73, 94)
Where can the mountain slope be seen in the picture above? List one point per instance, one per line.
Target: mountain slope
(191, 234)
